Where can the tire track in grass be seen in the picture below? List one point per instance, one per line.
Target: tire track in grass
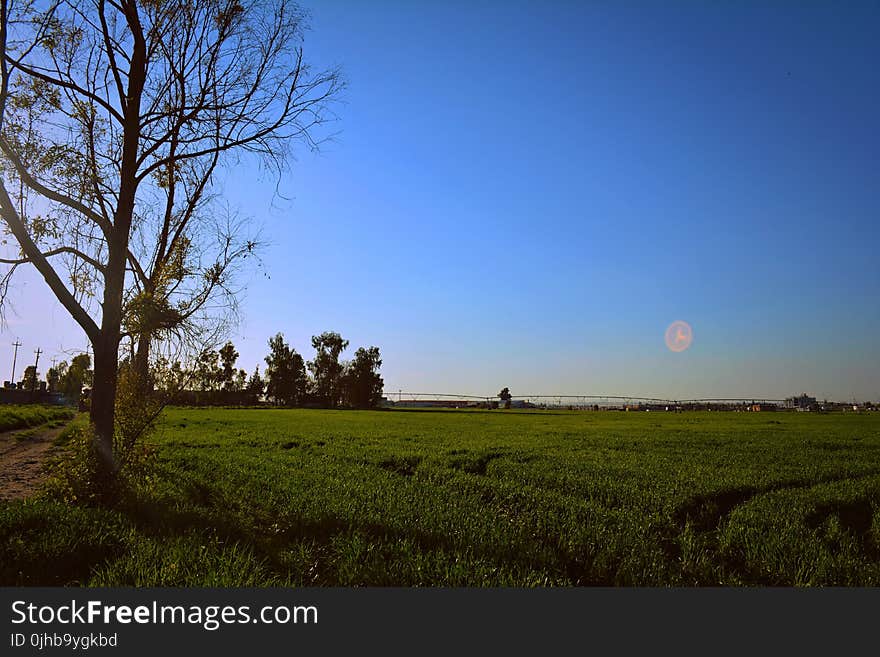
(703, 515)
(706, 513)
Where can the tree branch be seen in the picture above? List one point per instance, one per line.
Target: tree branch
(4, 71)
(52, 194)
(19, 230)
(66, 85)
(109, 49)
(53, 252)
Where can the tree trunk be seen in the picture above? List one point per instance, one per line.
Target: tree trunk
(142, 363)
(106, 349)
(102, 410)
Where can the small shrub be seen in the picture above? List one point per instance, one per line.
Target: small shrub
(74, 473)
(75, 478)
(137, 408)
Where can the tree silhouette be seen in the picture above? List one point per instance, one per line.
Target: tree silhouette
(207, 372)
(228, 356)
(362, 384)
(505, 397)
(286, 380)
(255, 386)
(326, 368)
(75, 376)
(29, 378)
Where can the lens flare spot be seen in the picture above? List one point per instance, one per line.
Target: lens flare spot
(679, 336)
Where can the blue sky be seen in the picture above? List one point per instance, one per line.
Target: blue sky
(528, 194)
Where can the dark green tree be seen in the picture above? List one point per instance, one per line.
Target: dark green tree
(286, 381)
(255, 386)
(505, 397)
(75, 376)
(240, 381)
(53, 379)
(228, 356)
(326, 369)
(168, 377)
(207, 371)
(29, 378)
(362, 385)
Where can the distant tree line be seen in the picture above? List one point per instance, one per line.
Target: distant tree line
(288, 380)
(64, 378)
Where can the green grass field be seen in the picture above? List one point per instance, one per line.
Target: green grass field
(468, 498)
(13, 416)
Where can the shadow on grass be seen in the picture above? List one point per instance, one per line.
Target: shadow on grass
(476, 464)
(855, 517)
(402, 465)
(48, 544)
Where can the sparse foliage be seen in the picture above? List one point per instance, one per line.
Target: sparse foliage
(207, 371)
(169, 377)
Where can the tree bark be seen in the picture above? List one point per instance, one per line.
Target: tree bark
(142, 362)
(106, 349)
(102, 410)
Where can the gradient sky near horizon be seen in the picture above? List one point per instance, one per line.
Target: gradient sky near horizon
(528, 194)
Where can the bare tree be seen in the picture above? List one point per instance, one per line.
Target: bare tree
(115, 116)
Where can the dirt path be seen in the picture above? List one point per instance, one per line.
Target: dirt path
(22, 459)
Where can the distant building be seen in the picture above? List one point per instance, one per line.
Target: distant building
(801, 403)
(762, 406)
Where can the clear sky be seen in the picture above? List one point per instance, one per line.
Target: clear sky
(528, 194)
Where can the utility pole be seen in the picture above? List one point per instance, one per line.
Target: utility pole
(49, 387)
(36, 363)
(15, 344)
